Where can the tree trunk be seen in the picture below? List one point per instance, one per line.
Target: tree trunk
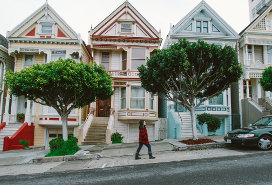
(194, 129)
(64, 127)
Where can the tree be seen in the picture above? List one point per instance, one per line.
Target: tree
(266, 80)
(63, 85)
(189, 71)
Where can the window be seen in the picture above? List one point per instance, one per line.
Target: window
(58, 54)
(218, 100)
(202, 26)
(105, 61)
(124, 60)
(137, 100)
(47, 28)
(51, 110)
(205, 26)
(54, 133)
(138, 58)
(29, 60)
(198, 26)
(126, 28)
(123, 98)
(151, 101)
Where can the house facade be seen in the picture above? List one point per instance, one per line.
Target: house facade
(122, 42)
(43, 37)
(6, 64)
(255, 6)
(202, 23)
(255, 54)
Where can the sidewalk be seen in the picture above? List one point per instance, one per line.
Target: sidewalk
(17, 162)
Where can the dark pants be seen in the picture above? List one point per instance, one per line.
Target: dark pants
(141, 145)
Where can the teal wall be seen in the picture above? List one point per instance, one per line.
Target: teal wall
(173, 125)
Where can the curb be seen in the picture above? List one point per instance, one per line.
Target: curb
(178, 146)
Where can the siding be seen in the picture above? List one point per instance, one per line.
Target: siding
(39, 130)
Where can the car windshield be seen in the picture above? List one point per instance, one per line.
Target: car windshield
(264, 122)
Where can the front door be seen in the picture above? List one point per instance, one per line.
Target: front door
(103, 108)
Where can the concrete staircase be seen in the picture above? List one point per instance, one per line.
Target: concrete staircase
(186, 125)
(97, 131)
(9, 130)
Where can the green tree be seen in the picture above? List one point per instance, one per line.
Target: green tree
(189, 71)
(63, 85)
(266, 80)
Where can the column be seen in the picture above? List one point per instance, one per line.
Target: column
(13, 117)
(28, 113)
(267, 94)
(247, 88)
(2, 94)
(259, 89)
(129, 58)
(265, 56)
(253, 55)
(6, 114)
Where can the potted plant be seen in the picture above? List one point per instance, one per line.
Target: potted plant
(25, 143)
(21, 117)
(116, 137)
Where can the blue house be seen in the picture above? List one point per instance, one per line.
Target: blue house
(202, 23)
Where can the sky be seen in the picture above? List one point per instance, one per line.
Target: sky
(82, 14)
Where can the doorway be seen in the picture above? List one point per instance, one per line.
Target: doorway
(103, 108)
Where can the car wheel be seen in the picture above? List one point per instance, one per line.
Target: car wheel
(265, 143)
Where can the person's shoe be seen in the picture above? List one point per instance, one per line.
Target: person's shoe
(137, 156)
(150, 156)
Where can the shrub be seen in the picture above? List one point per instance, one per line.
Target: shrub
(116, 137)
(25, 143)
(56, 144)
(60, 147)
(20, 116)
(212, 121)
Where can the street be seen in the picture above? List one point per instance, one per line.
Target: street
(253, 168)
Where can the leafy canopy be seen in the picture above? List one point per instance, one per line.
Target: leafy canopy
(63, 84)
(187, 71)
(266, 81)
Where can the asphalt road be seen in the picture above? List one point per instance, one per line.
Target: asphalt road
(248, 169)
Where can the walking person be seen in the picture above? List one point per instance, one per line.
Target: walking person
(143, 140)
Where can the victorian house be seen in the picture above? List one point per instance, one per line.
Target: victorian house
(255, 54)
(41, 38)
(202, 23)
(122, 42)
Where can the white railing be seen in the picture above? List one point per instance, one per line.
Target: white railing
(124, 74)
(109, 129)
(87, 125)
(136, 114)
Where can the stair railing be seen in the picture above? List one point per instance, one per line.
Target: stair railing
(110, 127)
(87, 125)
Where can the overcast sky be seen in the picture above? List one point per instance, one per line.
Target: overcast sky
(81, 14)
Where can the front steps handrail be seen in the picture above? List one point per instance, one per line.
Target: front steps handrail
(110, 127)
(255, 104)
(87, 125)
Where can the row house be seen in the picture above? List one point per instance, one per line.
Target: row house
(122, 42)
(255, 54)
(202, 23)
(41, 38)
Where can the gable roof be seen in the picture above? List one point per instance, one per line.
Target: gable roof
(262, 13)
(120, 8)
(45, 6)
(204, 6)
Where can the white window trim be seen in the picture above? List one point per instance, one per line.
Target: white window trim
(46, 23)
(33, 54)
(124, 98)
(145, 57)
(202, 25)
(126, 32)
(144, 98)
(110, 58)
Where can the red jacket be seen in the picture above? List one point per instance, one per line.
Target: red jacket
(143, 136)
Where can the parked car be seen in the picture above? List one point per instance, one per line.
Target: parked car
(258, 134)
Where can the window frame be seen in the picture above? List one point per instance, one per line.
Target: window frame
(201, 26)
(123, 98)
(33, 58)
(46, 24)
(109, 58)
(151, 97)
(213, 99)
(138, 59)
(126, 23)
(143, 98)
(57, 54)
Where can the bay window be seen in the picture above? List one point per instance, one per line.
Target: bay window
(137, 58)
(137, 99)
(217, 100)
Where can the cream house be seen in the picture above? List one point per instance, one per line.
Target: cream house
(41, 38)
